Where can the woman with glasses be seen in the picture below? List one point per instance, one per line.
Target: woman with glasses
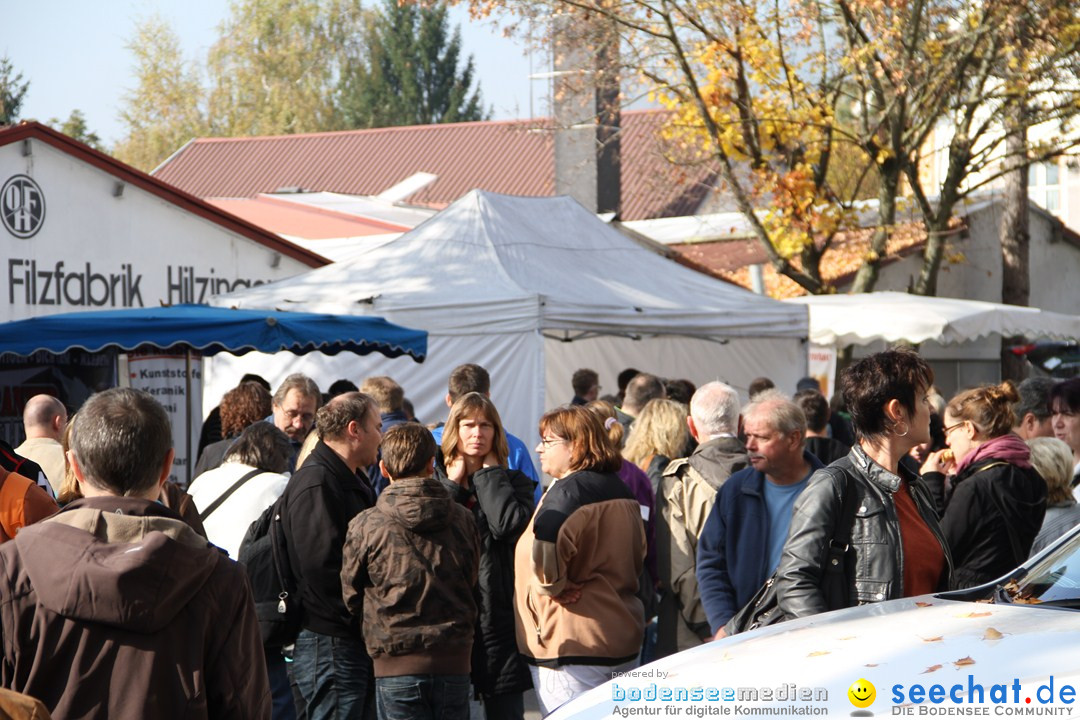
(998, 499)
(474, 470)
(577, 565)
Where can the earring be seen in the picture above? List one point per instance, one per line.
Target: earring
(907, 429)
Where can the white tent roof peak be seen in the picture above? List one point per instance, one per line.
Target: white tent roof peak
(513, 263)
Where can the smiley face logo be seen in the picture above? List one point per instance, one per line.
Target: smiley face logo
(861, 693)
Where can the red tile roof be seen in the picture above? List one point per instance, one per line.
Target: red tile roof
(730, 259)
(513, 157)
(157, 187)
(305, 221)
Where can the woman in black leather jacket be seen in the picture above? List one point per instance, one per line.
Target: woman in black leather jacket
(895, 547)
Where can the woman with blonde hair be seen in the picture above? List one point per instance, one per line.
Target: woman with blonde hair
(473, 469)
(1052, 458)
(577, 564)
(658, 436)
(998, 498)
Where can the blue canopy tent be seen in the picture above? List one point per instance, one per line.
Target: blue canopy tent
(207, 331)
(210, 330)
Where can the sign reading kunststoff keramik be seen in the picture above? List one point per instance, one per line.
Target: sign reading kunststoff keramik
(82, 232)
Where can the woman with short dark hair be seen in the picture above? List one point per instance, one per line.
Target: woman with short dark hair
(866, 512)
(578, 562)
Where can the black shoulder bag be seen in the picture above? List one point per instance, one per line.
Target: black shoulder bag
(225, 495)
(763, 609)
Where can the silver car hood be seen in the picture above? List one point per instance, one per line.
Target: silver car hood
(924, 640)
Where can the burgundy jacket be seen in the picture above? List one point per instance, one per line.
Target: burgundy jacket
(114, 607)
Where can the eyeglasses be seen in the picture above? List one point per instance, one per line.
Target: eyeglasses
(949, 429)
(548, 442)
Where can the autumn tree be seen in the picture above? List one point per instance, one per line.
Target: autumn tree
(276, 64)
(412, 72)
(12, 91)
(166, 107)
(773, 95)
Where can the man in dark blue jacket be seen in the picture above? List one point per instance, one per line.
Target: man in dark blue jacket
(740, 546)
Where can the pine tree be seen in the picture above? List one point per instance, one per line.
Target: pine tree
(411, 73)
(11, 92)
(75, 128)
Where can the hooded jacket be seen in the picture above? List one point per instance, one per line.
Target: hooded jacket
(992, 519)
(114, 607)
(409, 566)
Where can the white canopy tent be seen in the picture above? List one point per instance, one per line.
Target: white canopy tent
(532, 289)
(865, 318)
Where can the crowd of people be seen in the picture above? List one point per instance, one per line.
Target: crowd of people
(430, 571)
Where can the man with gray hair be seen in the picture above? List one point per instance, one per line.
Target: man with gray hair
(293, 409)
(44, 420)
(1033, 410)
(116, 585)
(740, 546)
(331, 668)
(684, 500)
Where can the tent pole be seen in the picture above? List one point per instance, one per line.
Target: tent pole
(187, 413)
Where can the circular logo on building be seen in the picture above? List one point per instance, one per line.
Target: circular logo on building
(22, 206)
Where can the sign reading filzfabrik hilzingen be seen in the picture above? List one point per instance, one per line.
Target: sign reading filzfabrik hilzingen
(34, 281)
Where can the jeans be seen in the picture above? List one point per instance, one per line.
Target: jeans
(283, 707)
(334, 676)
(423, 697)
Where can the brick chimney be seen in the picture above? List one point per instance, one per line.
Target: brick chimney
(585, 104)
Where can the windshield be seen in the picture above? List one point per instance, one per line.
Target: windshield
(1055, 580)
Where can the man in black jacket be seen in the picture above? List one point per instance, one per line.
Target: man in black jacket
(331, 668)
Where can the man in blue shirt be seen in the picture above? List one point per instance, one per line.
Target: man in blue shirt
(741, 543)
(469, 378)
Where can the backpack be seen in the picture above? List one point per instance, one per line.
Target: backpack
(264, 556)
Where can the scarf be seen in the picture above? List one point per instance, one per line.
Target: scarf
(1008, 447)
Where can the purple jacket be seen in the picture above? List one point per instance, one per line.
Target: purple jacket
(638, 482)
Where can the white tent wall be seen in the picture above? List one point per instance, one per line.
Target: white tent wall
(514, 360)
(698, 360)
(491, 275)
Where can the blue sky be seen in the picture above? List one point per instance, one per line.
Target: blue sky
(73, 54)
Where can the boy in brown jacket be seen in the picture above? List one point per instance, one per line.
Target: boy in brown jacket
(410, 569)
